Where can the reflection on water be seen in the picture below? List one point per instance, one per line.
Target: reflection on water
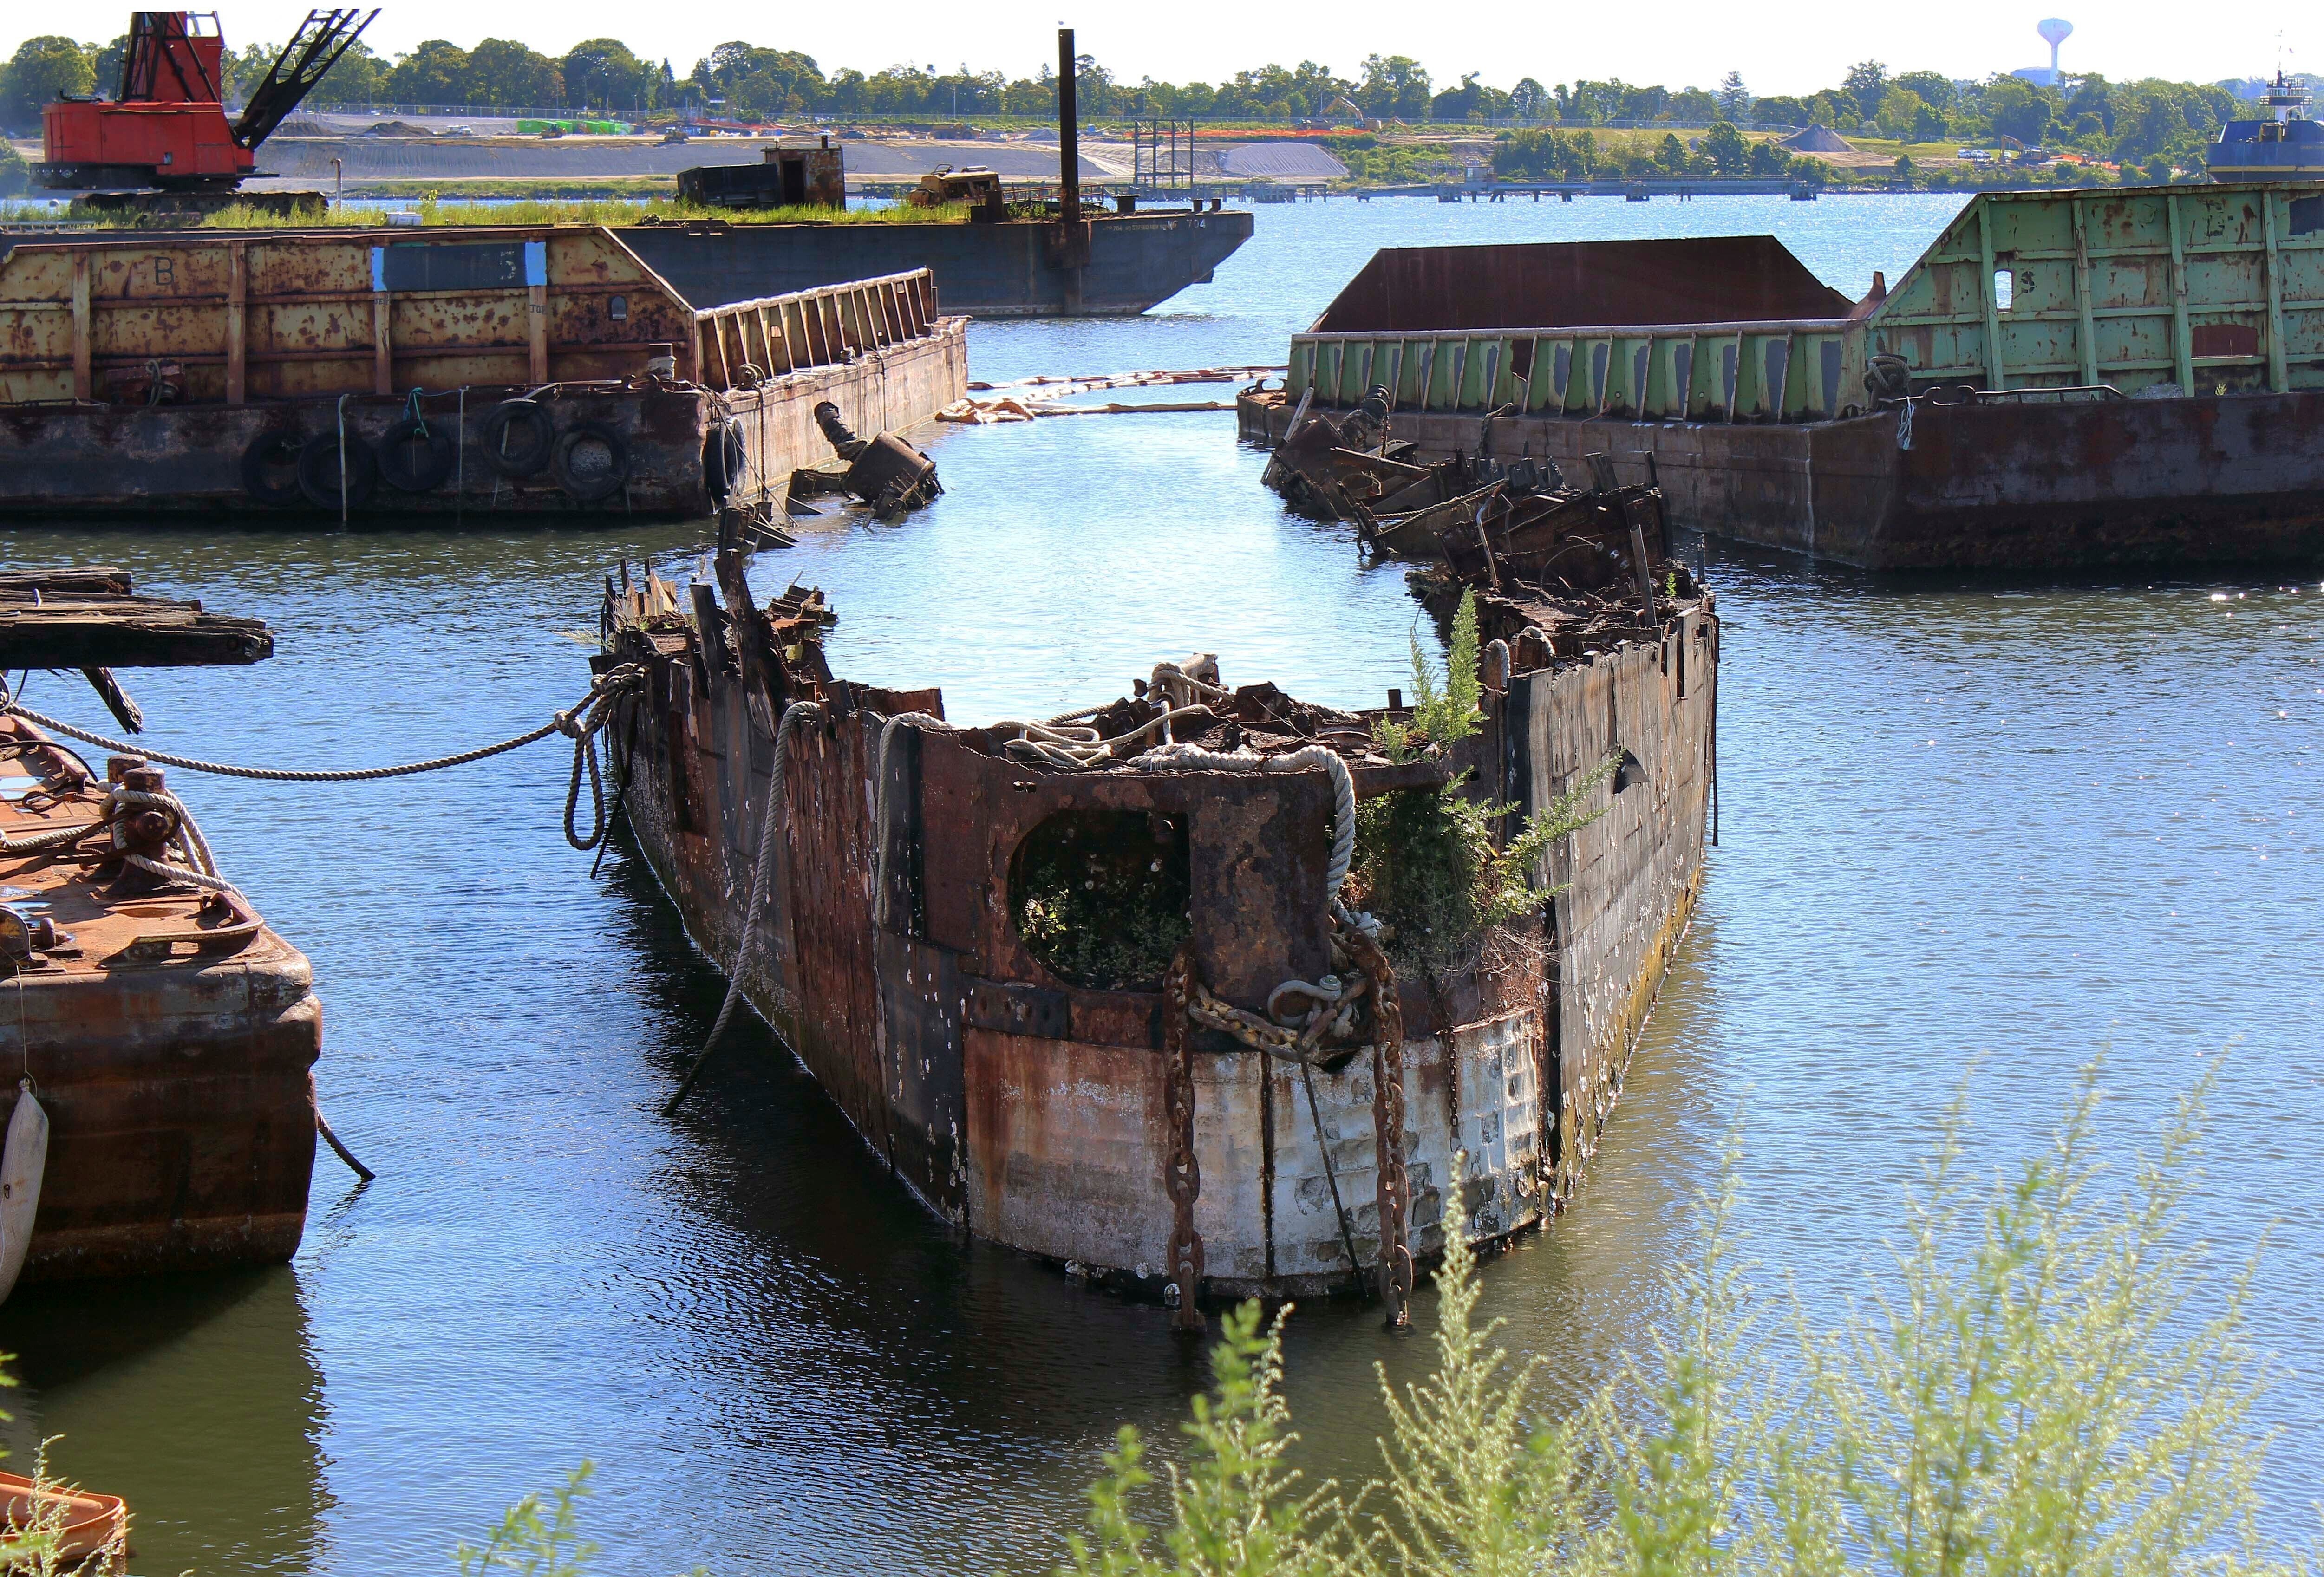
(1965, 824)
(197, 1400)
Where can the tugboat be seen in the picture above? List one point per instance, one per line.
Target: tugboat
(2286, 146)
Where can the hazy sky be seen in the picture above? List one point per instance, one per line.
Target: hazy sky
(1782, 48)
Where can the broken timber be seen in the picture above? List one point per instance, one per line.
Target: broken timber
(92, 618)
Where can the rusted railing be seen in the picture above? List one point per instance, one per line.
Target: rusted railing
(823, 327)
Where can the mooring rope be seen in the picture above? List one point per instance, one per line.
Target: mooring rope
(762, 865)
(582, 724)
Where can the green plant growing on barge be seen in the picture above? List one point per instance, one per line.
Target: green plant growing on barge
(1425, 860)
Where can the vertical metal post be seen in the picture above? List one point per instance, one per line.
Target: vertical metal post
(382, 348)
(1069, 140)
(81, 380)
(2279, 378)
(1993, 378)
(2182, 336)
(237, 327)
(2082, 294)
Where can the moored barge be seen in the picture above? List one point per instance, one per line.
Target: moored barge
(2115, 377)
(161, 1037)
(344, 374)
(1115, 1004)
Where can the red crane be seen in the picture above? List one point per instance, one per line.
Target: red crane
(168, 129)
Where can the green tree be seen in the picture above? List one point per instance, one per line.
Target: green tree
(42, 70)
(602, 72)
(1729, 150)
(437, 72)
(15, 174)
(1395, 87)
(503, 71)
(1865, 85)
(1780, 112)
(1734, 99)
(1929, 124)
(1900, 112)
(2017, 108)
(1933, 87)
(105, 65)
(1530, 101)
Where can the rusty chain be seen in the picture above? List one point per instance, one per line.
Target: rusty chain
(1181, 1174)
(1387, 1128)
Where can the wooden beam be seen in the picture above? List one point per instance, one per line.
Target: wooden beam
(99, 630)
(237, 327)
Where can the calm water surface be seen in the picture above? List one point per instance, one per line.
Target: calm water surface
(1971, 830)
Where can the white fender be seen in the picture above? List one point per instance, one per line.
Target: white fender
(21, 1163)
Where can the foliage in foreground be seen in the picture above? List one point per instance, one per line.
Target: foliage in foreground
(2033, 1389)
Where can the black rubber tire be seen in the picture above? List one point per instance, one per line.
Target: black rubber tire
(725, 457)
(415, 457)
(518, 438)
(590, 484)
(271, 452)
(319, 472)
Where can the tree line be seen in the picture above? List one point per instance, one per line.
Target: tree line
(2130, 122)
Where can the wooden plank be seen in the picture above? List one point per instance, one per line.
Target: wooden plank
(237, 328)
(99, 630)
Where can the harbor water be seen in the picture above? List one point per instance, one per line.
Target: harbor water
(1973, 835)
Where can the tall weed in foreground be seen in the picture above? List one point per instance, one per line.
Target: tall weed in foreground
(2038, 1387)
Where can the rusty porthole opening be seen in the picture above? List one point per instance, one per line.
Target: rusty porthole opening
(1100, 896)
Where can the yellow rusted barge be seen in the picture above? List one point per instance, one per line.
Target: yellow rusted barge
(1115, 1004)
(346, 373)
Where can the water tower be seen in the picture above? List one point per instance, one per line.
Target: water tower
(2054, 32)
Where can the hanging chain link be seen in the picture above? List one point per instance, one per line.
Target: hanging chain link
(1182, 1176)
(1387, 1128)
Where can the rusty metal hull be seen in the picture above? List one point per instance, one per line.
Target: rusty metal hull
(173, 1055)
(188, 460)
(2215, 480)
(1033, 1112)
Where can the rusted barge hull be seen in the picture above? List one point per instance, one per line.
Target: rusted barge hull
(894, 957)
(167, 1034)
(531, 372)
(2062, 380)
(2004, 484)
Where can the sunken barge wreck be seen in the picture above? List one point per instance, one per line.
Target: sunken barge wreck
(2062, 380)
(342, 374)
(1155, 991)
